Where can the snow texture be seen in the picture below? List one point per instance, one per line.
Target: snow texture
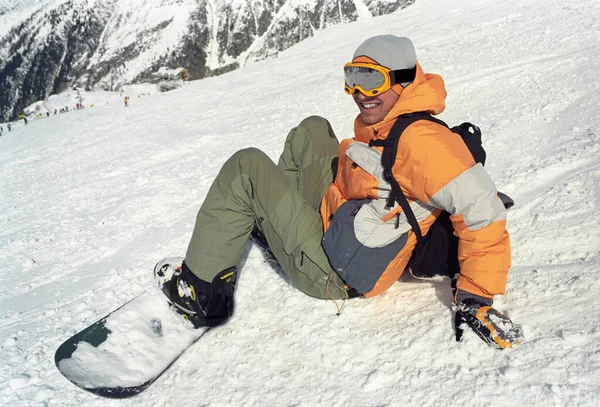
(146, 335)
(92, 199)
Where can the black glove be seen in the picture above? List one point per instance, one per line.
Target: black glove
(496, 329)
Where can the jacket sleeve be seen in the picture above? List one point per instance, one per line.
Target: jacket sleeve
(435, 166)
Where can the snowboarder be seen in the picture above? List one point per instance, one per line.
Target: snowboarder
(323, 210)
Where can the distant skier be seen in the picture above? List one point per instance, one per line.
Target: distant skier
(126, 101)
(9, 125)
(25, 119)
(1, 130)
(337, 226)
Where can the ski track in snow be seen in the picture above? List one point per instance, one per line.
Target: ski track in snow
(91, 200)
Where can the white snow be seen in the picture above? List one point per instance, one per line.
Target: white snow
(362, 9)
(92, 199)
(18, 381)
(145, 337)
(91, 99)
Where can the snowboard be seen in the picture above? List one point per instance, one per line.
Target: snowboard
(123, 353)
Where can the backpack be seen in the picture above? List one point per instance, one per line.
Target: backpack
(437, 253)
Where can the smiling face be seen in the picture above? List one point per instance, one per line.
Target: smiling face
(373, 109)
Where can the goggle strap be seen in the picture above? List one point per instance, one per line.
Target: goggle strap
(403, 75)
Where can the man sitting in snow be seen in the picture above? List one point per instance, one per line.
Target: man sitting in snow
(324, 212)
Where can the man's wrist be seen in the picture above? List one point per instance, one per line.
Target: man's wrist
(465, 297)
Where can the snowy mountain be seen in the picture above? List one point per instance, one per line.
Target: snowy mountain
(48, 46)
(92, 199)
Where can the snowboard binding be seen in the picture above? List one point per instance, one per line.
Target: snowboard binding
(203, 304)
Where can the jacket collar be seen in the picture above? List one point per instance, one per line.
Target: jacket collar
(426, 93)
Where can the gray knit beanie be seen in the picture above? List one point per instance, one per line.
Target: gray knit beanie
(389, 51)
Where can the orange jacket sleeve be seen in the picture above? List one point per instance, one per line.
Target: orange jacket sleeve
(434, 165)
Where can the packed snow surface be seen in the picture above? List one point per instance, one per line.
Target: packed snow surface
(90, 200)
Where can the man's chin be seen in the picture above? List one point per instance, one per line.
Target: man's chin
(370, 118)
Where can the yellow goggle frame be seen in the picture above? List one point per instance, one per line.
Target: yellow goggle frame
(368, 79)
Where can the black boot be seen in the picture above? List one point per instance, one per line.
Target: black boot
(259, 238)
(202, 303)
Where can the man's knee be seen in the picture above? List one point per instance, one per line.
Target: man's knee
(314, 121)
(317, 126)
(248, 155)
(246, 161)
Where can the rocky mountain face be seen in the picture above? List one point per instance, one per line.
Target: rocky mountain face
(105, 44)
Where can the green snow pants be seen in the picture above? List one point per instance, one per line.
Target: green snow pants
(282, 199)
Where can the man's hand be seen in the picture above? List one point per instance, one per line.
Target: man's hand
(496, 329)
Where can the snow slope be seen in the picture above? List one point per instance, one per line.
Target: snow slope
(96, 99)
(90, 200)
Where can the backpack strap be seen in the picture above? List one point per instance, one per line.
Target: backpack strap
(388, 158)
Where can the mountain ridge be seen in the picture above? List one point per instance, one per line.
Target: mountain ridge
(105, 44)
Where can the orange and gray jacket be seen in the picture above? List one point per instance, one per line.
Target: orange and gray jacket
(369, 245)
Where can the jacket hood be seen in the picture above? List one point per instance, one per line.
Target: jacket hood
(426, 93)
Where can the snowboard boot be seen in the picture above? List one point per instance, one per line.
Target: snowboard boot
(204, 304)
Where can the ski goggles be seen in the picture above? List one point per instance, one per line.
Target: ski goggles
(372, 80)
